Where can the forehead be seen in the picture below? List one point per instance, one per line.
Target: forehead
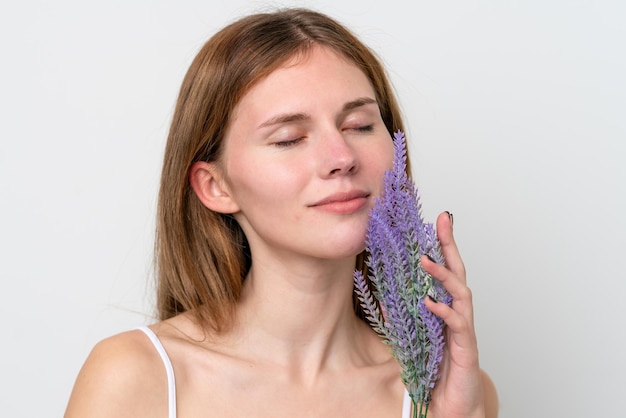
(321, 76)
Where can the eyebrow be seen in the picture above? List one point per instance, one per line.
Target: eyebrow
(361, 101)
(285, 118)
(296, 117)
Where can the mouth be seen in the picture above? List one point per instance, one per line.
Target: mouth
(343, 203)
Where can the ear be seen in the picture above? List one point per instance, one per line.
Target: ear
(207, 181)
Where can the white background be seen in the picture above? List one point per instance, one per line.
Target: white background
(517, 123)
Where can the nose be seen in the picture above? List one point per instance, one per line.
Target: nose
(337, 156)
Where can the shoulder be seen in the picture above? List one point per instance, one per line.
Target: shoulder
(122, 376)
(490, 396)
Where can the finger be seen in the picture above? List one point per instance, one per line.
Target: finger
(453, 319)
(460, 327)
(453, 283)
(461, 294)
(448, 245)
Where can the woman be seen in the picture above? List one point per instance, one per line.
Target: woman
(277, 149)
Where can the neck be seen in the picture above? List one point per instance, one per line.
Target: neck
(304, 317)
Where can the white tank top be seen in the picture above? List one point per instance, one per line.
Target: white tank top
(171, 382)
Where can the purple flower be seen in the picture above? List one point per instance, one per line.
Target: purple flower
(397, 237)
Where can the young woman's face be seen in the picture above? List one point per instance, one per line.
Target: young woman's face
(304, 158)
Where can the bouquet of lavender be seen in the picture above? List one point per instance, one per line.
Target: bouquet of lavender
(397, 237)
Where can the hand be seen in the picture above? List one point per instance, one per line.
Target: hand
(459, 391)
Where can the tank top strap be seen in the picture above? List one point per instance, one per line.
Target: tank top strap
(169, 370)
(171, 382)
(406, 405)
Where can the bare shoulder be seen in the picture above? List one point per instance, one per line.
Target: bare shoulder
(123, 376)
(490, 395)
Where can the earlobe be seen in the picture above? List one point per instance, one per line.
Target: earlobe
(207, 181)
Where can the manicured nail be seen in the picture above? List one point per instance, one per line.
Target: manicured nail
(432, 298)
(451, 216)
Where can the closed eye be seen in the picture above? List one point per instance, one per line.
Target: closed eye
(366, 128)
(288, 143)
(360, 129)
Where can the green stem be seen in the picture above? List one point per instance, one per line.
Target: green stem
(422, 412)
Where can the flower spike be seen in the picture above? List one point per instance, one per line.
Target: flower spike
(397, 237)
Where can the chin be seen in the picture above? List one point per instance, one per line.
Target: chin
(346, 251)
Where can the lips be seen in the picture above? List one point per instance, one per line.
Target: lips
(343, 202)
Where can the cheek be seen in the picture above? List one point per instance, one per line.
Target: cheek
(382, 156)
(263, 184)
(381, 161)
(389, 154)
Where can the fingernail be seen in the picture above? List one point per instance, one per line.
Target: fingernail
(451, 216)
(432, 298)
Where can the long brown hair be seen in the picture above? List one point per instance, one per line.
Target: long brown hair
(202, 256)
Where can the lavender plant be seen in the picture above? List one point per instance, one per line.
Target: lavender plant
(397, 237)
